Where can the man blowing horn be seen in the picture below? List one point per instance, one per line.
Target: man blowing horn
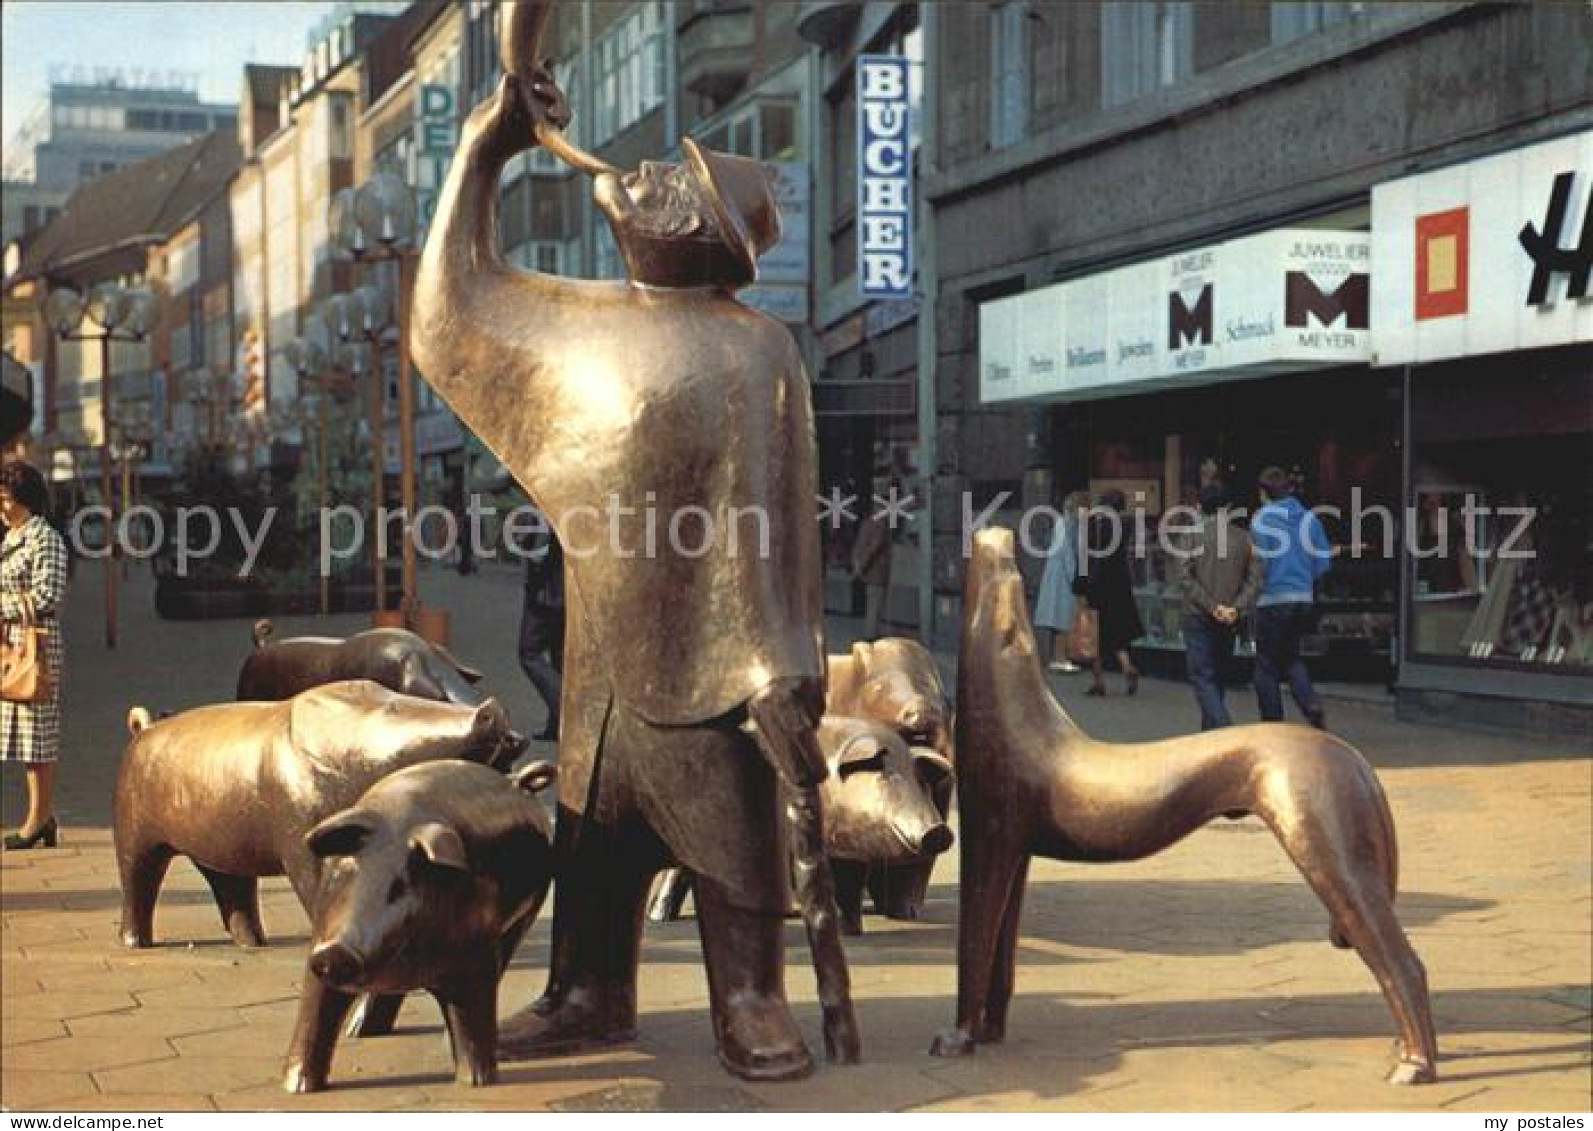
(667, 432)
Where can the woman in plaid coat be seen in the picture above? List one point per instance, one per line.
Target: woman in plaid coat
(32, 571)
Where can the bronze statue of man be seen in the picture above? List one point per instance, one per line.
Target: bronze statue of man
(667, 432)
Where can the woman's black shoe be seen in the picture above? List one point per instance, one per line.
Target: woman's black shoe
(47, 833)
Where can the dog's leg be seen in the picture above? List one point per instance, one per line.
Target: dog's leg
(986, 882)
(1003, 973)
(1360, 901)
(1372, 928)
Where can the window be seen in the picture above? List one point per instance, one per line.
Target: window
(87, 170)
(629, 79)
(765, 129)
(342, 148)
(1294, 20)
(1009, 74)
(1144, 47)
(30, 217)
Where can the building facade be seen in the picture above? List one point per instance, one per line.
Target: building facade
(1154, 232)
(91, 126)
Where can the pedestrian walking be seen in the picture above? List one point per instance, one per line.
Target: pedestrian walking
(541, 650)
(1055, 607)
(32, 587)
(871, 564)
(1221, 576)
(1294, 546)
(1106, 582)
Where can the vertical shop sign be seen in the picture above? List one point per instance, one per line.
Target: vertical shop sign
(884, 178)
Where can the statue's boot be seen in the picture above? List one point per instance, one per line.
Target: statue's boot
(757, 1037)
(590, 999)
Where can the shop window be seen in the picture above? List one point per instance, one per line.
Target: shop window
(1144, 47)
(1501, 528)
(1009, 74)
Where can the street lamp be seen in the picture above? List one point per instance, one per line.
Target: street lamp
(309, 361)
(122, 316)
(374, 223)
(135, 432)
(358, 320)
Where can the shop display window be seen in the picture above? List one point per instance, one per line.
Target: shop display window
(1500, 543)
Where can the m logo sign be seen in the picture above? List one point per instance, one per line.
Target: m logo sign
(1350, 300)
(1548, 257)
(1189, 325)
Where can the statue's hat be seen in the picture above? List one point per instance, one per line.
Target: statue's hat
(742, 196)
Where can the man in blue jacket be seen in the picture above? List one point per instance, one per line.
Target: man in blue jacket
(1295, 547)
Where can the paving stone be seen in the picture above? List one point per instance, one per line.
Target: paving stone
(78, 1053)
(205, 1075)
(23, 1030)
(41, 1090)
(134, 1101)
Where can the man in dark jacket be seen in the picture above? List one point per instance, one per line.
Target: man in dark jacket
(1221, 576)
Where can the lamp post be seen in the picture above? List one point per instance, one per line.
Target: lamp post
(122, 316)
(310, 362)
(375, 223)
(134, 433)
(359, 319)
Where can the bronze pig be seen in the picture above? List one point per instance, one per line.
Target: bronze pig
(879, 806)
(880, 811)
(235, 787)
(895, 681)
(429, 882)
(1030, 782)
(393, 657)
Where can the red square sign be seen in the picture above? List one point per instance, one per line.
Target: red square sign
(1443, 252)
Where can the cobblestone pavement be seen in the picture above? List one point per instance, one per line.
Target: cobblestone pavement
(1200, 979)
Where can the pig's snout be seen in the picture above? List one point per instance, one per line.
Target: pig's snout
(337, 964)
(927, 841)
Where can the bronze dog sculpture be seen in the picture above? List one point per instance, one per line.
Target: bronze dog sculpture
(880, 812)
(693, 661)
(429, 882)
(1031, 782)
(235, 787)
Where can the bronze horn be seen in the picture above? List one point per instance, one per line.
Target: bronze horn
(519, 46)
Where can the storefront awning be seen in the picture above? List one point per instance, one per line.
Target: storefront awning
(1278, 302)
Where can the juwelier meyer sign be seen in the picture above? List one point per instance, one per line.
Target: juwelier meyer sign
(884, 178)
(1486, 257)
(1276, 302)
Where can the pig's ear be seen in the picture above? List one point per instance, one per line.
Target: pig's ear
(342, 834)
(440, 845)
